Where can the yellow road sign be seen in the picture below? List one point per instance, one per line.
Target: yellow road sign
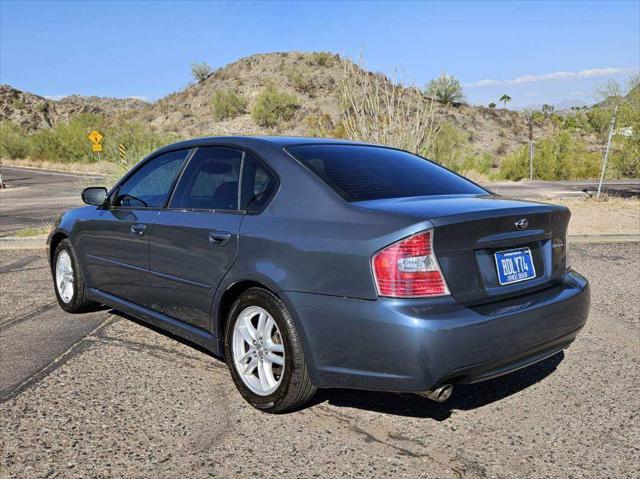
(95, 137)
(96, 147)
(122, 150)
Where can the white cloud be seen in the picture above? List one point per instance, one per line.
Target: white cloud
(140, 97)
(592, 73)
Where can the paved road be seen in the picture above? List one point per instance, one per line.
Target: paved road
(126, 400)
(34, 198)
(564, 189)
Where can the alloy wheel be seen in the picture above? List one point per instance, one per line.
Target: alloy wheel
(64, 276)
(258, 350)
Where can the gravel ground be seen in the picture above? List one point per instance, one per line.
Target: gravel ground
(132, 402)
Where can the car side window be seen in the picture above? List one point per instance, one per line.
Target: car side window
(210, 181)
(258, 185)
(150, 186)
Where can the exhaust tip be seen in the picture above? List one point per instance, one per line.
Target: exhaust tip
(439, 394)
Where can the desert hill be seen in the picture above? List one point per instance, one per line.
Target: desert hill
(313, 78)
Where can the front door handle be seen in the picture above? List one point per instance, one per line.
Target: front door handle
(219, 238)
(138, 229)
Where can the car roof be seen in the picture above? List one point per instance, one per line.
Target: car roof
(249, 141)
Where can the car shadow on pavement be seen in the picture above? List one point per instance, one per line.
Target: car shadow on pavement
(464, 397)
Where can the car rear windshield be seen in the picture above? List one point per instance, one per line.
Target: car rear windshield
(360, 173)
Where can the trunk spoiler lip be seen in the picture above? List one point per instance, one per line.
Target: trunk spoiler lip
(499, 213)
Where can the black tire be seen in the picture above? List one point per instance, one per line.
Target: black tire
(295, 388)
(78, 302)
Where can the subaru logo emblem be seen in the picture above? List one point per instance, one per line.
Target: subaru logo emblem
(522, 224)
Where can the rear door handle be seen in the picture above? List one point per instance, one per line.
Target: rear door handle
(138, 229)
(219, 238)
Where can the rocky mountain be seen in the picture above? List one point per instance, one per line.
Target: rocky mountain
(33, 112)
(313, 78)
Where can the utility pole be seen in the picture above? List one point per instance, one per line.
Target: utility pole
(531, 147)
(606, 152)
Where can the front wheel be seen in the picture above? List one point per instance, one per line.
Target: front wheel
(264, 353)
(68, 280)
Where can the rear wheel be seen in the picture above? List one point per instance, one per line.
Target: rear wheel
(68, 280)
(264, 353)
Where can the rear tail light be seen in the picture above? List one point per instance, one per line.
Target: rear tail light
(409, 269)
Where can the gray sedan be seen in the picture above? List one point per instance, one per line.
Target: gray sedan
(309, 263)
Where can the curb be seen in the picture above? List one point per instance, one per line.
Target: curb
(32, 242)
(615, 238)
(40, 242)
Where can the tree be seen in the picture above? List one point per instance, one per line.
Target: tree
(492, 105)
(505, 99)
(547, 110)
(200, 71)
(445, 88)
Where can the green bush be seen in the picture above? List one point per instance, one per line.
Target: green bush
(322, 59)
(200, 71)
(450, 147)
(14, 143)
(446, 88)
(625, 157)
(273, 106)
(481, 164)
(298, 77)
(227, 104)
(557, 157)
(66, 142)
(598, 119)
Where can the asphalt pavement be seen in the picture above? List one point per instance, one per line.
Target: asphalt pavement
(34, 198)
(121, 399)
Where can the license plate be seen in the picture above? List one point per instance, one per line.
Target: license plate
(514, 265)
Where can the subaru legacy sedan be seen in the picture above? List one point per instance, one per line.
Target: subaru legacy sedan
(309, 263)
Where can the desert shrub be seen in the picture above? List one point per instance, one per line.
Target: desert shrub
(377, 110)
(299, 78)
(598, 119)
(323, 126)
(14, 143)
(66, 142)
(273, 106)
(558, 157)
(481, 164)
(227, 104)
(18, 103)
(322, 59)
(446, 88)
(502, 146)
(200, 71)
(625, 157)
(450, 147)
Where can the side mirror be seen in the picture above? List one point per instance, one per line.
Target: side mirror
(94, 195)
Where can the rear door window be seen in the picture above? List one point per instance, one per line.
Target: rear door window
(210, 180)
(258, 185)
(359, 172)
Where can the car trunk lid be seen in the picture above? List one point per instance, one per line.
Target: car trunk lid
(469, 230)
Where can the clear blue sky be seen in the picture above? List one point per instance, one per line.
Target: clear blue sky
(144, 49)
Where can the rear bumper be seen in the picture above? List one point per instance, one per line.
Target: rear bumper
(415, 345)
